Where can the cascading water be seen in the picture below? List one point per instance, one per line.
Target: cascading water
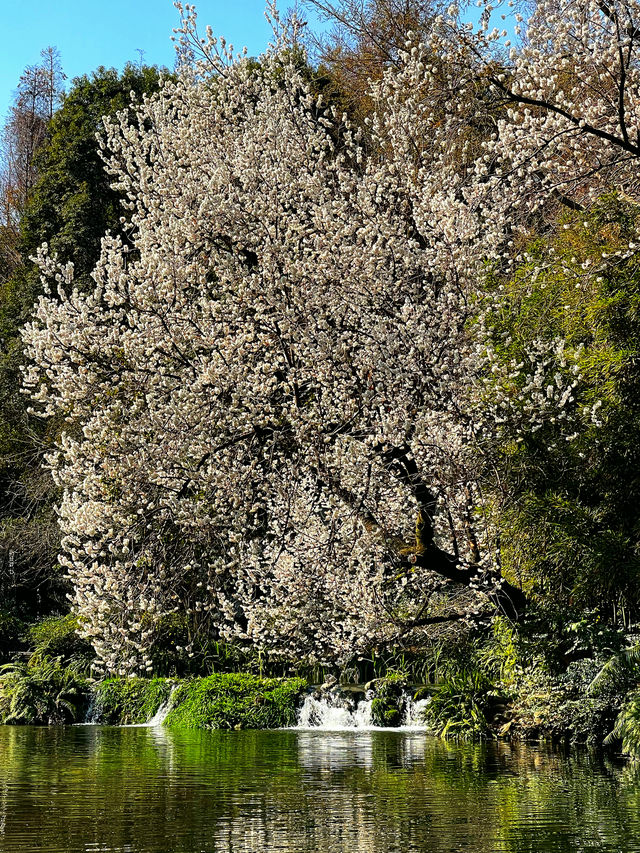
(334, 710)
(414, 713)
(161, 714)
(94, 713)
(344, 710)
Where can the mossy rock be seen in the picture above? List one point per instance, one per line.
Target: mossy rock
(236, 700)
(385, 712)
(387, 706)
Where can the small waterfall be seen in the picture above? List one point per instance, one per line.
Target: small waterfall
(341, 709)
(362, 714)
(161, 714)
(93, 716)
(91, 712)
(414, 713)
(333, 711)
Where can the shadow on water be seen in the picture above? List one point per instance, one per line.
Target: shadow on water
(96, 789)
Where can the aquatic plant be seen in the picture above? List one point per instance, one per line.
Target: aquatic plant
(459, 705)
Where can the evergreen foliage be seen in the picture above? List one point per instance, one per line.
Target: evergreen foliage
(42, 691)
(572, 522)
(57, 637)
(73, 204)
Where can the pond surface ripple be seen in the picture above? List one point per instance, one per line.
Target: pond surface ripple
(154, 790)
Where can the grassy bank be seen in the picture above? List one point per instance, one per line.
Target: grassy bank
(520, 683)
(49, 693)
(220, 701)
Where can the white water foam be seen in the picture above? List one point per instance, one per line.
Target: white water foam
(414, 713)
(336, 711)
(160, 715)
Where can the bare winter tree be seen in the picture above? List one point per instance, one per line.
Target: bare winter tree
(25, 130)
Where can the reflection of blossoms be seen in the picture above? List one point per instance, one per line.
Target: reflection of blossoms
(276, 372)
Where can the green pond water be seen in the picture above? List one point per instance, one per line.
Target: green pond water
(96, 789)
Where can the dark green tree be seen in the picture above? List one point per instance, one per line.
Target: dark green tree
(73, 204)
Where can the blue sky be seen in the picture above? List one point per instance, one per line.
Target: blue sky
(110, 32)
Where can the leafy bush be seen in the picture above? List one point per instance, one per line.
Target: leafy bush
(459, 705)
(627, 727)
(182, 648)
(619, 674)
(236, 700)
(56, 636)
(42, 691)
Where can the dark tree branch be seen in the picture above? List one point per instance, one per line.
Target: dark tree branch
(509, 599)
(630, 30)
(619, 142)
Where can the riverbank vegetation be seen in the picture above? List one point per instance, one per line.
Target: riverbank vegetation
(333, 369)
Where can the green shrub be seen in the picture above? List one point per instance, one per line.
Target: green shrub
(570, 526)
(56, 636)
(119, 701)
(180, 649)
(40, 692)
(459, 705)
(627, 727)
(236, 700)
(619, 674)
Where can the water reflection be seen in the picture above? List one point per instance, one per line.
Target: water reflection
(95, 789)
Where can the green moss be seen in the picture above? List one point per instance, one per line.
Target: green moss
(226, 701)
(385, 712)
(121, 701)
